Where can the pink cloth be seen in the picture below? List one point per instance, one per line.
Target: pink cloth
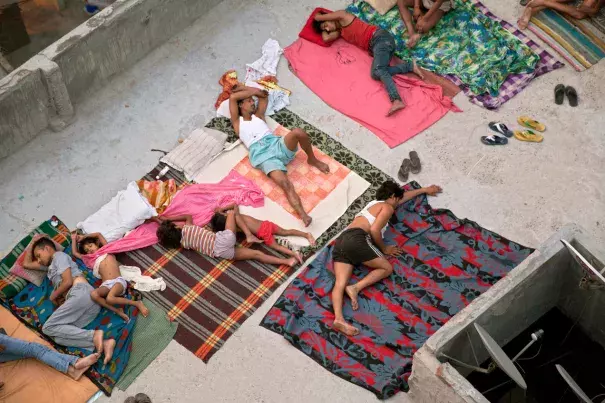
(199, 201)
(340, 75)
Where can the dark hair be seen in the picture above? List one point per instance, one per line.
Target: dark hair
(84, 242)
(169, 235)
(317, 24)
(218, 222)
(388, 189)
(43, 243)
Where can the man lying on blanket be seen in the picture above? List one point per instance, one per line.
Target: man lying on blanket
(588, 8)
(71, 293)
(362, 243)
(378, 42)
(268, 152)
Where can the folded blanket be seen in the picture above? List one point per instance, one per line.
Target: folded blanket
(340, 75)
(199, 201)
(465, 43)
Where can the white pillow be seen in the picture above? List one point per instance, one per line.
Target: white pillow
(126, 211)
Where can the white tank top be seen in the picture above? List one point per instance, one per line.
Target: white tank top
(368, 216)
(250, 131)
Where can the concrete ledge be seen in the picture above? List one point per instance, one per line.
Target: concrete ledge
(40, 93)
(24, 105)
(538, 276)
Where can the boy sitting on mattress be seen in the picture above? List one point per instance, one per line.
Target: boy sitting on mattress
(264, 230)
(106, 268)
(378, 42)
(427, 13)
(217, 245)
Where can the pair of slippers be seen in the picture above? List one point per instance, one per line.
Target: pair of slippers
(408, 165)
(522, 135)
(561, 91)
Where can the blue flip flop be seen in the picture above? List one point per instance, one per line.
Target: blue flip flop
(501, 129)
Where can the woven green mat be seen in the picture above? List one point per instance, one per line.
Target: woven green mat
(151, 336)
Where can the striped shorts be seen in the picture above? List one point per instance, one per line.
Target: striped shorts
(354, 246)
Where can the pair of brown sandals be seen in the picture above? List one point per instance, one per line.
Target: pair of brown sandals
(408, 165)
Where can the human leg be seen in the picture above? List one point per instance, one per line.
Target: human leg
(406, 16)
(283, 182)
(294, 232)
(383, 49)
(99, 296)
(298, 137)
(66, 324)
(242, 224)
(252, 254)
(430, 22)
(381, 269)
(114, 298)
(15, 349)
(343, 272)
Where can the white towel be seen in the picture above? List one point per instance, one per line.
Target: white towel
(267, 64)
(141, 283)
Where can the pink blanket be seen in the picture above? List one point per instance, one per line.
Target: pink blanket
(340, 75)
(199, 201)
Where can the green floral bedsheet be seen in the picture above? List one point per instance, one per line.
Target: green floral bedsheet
(465, 43)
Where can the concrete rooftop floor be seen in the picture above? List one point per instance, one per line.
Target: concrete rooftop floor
(523, 191)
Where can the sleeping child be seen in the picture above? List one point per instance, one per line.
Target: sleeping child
(106, 268)
(220, 244)
(255, 229)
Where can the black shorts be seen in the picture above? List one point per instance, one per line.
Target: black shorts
(355, 246)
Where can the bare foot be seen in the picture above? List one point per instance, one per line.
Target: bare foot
(307, 220)
(292, 262)
(310, 238)
(345, 328)
(142, 308)
(298, 257)
(108, 346)
(322, 166)
(413, 40)
(253, 239)
(123, 315)
(351, 291)
(524, 20)
(97, 340)
(417, 70)
(87, 361)
(397, 106)
(76, 374)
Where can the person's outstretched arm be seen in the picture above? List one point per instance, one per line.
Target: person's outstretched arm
(430, 191)
(334, 16)
(179, 218)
